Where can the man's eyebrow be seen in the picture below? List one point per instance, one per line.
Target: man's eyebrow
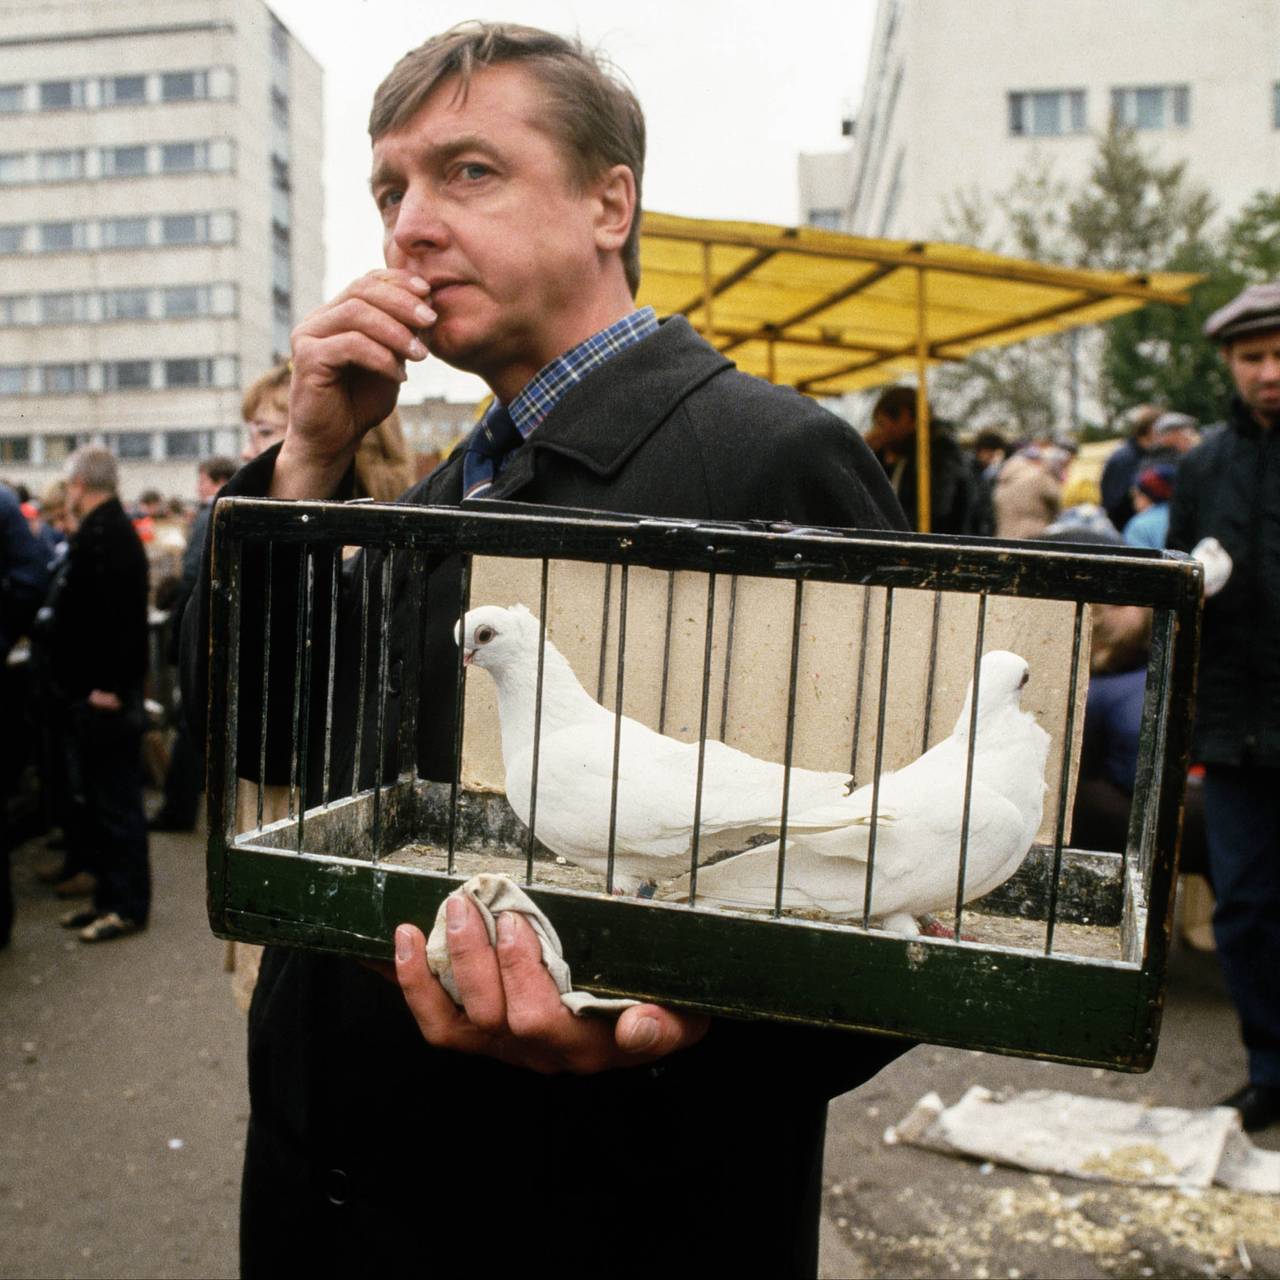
(436, 153)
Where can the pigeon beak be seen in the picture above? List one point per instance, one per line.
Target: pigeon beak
(467, 655)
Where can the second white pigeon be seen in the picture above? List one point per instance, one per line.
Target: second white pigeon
(657, 775)
(918, 823)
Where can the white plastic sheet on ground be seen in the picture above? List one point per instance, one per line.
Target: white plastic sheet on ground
(1095, 1138)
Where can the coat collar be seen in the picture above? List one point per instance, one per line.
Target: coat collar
(603, 420)
(1240, 416)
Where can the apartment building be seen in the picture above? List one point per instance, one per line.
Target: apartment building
(964, 96)
(160, 226)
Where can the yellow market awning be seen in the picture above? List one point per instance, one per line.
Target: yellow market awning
(827, 312)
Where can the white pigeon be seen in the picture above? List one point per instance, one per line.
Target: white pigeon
(918, 823)
(657, 775)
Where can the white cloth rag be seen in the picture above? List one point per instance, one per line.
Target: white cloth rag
(492, 895)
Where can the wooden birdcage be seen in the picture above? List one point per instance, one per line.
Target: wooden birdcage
(811, 647)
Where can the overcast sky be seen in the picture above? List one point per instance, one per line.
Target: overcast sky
(732, 91)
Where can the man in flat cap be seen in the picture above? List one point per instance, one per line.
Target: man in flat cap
(1226, 510)
(1173, 434)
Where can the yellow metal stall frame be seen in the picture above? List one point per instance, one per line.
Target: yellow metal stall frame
(827, 313)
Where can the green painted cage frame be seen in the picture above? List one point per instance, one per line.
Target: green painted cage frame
(263, 887)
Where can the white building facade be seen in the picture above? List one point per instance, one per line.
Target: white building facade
(963, 96)
(160, 227)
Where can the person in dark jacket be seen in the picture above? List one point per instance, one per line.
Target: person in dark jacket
(1121, 470)
(955, 495)
(93, 633)
(24, 575)
(661, 1142)
(184, 778)
(1228, 490)
(24, 572)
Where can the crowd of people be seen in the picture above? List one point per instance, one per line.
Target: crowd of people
(92, 591)
(1001, 486)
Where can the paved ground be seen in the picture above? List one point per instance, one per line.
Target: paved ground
(124, 1102)
(122, 1106)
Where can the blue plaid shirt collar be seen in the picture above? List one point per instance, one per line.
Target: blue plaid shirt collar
(545, 390)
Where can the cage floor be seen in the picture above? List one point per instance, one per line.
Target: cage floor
(1095, 942)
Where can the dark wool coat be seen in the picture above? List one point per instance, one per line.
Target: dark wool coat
(97, 636)
(369, 1148)
(1228, 487)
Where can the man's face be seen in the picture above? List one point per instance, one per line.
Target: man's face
(1255, 367)
(1183, 440)
(480, 203)
(890, 431)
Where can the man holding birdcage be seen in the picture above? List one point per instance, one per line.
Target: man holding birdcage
(507, 167)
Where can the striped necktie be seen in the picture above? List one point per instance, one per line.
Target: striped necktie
(491, 444)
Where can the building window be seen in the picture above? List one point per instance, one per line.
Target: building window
(57, 308)
(127, 375)
(185, 444)
(124, 162)
(124, 233)
(1153, 107)
(131, 446)
(58, 237)
(60, 166)
(57, 449)
(13, 97)
(183, 301)
(1275, 106)
(279, 41)
(279, 109)
(13, 166)
(57, 95)
(183, 157)
(65, 379)
(828, 219)
(13, 379)
(280, 172)
(122, 91)
(186, 373)
(184, 228)
(15, 448)
(14, 308)
(184, 86)
(1046, 114)
(124, 304)
(12, 238)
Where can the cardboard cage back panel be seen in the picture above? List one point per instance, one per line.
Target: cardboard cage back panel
(798, 774)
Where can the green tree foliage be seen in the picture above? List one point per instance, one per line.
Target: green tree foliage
(1158, 354)
(1132, 213)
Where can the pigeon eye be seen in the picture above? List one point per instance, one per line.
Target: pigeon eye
(484, 634)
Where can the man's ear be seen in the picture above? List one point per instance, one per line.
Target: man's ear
(616, 207)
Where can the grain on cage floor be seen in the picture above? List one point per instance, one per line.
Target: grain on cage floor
(511, 862)
(1094, 942)
(1089, 941)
